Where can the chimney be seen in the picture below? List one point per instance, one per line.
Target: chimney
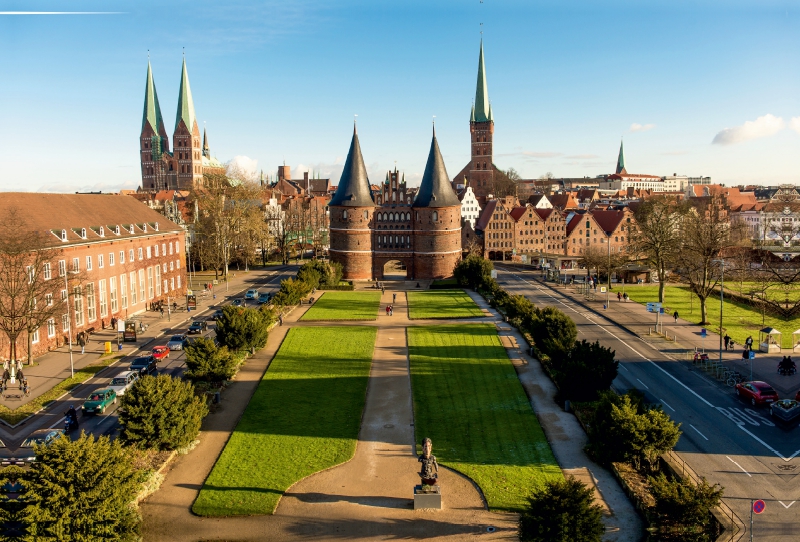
(305, 180)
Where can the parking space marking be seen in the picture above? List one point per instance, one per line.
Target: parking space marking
(643, 384)
(698, 432)
(738, 465)
(663, 402)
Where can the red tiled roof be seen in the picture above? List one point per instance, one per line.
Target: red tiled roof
(563, 201)
(608, 220)
(573, 222)
(517, 212)
(544, 214)
(486, 215)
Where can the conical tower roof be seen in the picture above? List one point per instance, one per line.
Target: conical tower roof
(353, 189)
(621, 161)
(206, 150)
(152, 111)
(435, 189)
(481, 108)
(185, 102)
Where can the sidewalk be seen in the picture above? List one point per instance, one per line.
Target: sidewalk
(566, 437)
(53, 367)
(680, 339)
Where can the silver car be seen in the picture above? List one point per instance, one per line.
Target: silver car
(176, 342)
(123, 381)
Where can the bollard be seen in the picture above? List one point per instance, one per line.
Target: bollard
(566, 406)
(216, 397)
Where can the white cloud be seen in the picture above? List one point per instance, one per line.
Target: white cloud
(636, 127)
(794, 124)
(242, 168)
(764, 126)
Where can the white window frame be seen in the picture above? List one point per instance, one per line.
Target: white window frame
(141, 254)
(158, 281)
(148, 252)
(103, 299)
(121, 257)
(65, 322)
(110, 259)
(134, 297)
(99, 261)
(78, 306)
(51, 328)
(142, 291)
(48, 299)
(123, 290)
(150, 288)
(88, 263)
(91, 308)
(76, 265)
(47, 272)
(35, 336)
(112, 294)
(156, 251)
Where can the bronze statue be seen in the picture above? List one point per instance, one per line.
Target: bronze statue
(430, 468)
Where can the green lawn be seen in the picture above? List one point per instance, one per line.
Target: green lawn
(469, 401)
(442, 304)
(345, 306)
(739, 320)
(304, 417)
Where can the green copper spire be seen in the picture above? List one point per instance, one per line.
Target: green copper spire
(621, 161)
(482, 109)
(185, 103)
(152, 111)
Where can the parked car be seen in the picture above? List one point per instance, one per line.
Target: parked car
(237, 302)
(263, 298)
(756, 392)
(123, 381)
(7, 457)
(98, 401)
(176, 342)
(197, 327)
(144, 365)
(25, 454)
(161, 352)
(251, 294)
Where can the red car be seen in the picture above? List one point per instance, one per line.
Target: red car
(161, 352)
(756, 392)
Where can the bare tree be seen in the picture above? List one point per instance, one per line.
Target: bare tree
(657, 237)
(505, 182)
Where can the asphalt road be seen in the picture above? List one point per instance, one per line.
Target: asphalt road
(725, 440)
(107, 424)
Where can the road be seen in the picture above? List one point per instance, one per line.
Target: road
(725, 440)
(107, 424)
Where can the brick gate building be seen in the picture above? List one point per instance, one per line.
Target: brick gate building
(423, 234)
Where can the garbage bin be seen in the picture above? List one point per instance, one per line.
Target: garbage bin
(119, 347)
(216, 397)
(108, 347)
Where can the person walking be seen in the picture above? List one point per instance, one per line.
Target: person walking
(619, 296)
(625, 297)
(391, 310)
(675, 316)
(394, 298)
(726, 340)
(280, 319)
(387, 310)
(748, 343)
(82, 342)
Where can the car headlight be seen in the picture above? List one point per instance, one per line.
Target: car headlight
(32, 458)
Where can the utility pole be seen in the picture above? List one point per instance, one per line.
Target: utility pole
(69, 320)
(721, 300)
(608, 290)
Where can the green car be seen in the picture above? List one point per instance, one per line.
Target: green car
(98, 401)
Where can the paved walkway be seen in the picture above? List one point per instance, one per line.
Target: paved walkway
(53, 367)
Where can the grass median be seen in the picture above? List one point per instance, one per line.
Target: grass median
(469, 401)
(344, 306)
(442, 304)
(304, 417)
(740, 321)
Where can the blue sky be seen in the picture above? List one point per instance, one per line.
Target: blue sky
(713, 86)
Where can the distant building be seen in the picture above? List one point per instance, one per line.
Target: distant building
(622, 180)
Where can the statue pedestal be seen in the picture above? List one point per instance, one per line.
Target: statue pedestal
(427, 499)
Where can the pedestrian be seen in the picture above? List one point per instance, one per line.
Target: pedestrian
(748, 343)
(161, 310)
(391, 310)
(280, 319)
(102, 324)
(726, 340)
(745, 353)
(383, 290)
(675, 316)
(394, 298)
(619, 296)
(82, 342)
(625, 297)
(387, 310)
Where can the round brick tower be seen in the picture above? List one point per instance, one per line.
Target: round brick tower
(436, 217)
(351, 212)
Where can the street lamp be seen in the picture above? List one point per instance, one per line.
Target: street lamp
(69, 322)
(721, 293)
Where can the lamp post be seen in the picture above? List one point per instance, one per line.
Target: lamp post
(69, 322)
(721, 293)
(608, 289)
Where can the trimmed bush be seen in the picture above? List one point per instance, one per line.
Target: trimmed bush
(291, 292)
(681, 502)
(241, 328)
(160, 412)
(586, 370)
(207, 362)
(473, 272)
(562, 511)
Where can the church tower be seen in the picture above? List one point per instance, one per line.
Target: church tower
(351, 217)
(153, 140)
(187, 156)
(481, 129)
(621, 162)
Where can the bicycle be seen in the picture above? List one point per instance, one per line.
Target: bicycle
(736, 378)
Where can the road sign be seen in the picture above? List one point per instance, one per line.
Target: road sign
(602, 289)
(703, 332)
(653, 307)
(759, 506)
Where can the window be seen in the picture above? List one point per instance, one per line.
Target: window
(65, 322)
(172, 266)
(100, 261)
(47, 272)
(110, 259)
(130, 255)
(172, 283)
(164, 249)
(158, 280)
(112, 287)
(83, 233)
(179, 281)
(156, 251)
(177, 247)
(133, 289)
(63, 235)
(165, 267)
(51, 328)
(142, 291)
(103, 300)
(78, 306)
(121, 257)
(63, 295)
(90, 303)
(344, 214)
(170, 249)
(76, 265)
(177, 264)
(35, 337)
(150, 289)
(165, 286)
(435, 216)
(123, 289)
(140, 254)
(48, 299)
(148, 252)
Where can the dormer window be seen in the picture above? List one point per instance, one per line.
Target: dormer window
(132, 230)
(102, 232)
(155, 226)
(144, 228)
(83, 233)
(63, 235)
(116, 230)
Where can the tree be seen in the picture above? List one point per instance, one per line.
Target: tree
(291, 292)
(29, 284)
(604, 262)
(657, 235)
(207, 362)
(587, 369)
(552, 331)
(473, 271)
(681, 502)
(278, 229)
(505, 182)
(562, 511)
(160, 412)
(81, 490)
(240, 328)
(706, 234)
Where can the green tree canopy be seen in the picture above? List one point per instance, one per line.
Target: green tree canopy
(681, 502)
(473, 271)
(241, 328)
(207, 362)
(585, 370)
(161, 412)
(562, 511)
(553, 332)
(81, 490)
(291, 292)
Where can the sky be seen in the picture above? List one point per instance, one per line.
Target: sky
(700, 87)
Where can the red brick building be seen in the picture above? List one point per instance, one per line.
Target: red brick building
(113, 256)
(423, 235)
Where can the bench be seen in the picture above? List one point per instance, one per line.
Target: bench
(90, 330)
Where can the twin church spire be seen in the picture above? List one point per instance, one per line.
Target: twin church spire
(152, 110)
